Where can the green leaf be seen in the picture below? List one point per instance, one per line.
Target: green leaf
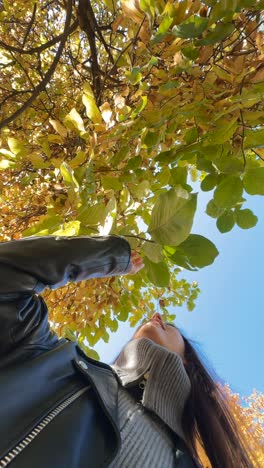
(254, 181)
(178, 176)
(123, 314)
(246, 219)
(209, 182)
(228, 192)
(68, 175)
(190, 52)
(135, 162)
(229, 164)
(212, 152)
(168, 157)
(141, 190)
(92, 215)
(111, 183)
(192, 27)
(153, 252)
(141, 106)
(172, 216)
(151, 139)
(157, 273)
(254, 138)
(120, 156)
(164, 25)
(112, 324)
(91, 353)
(105, 336)
(162, 30)
(163, 176)
(48, 222)
(125, 199)
(191, 135)
(226, 221)
(213, 210)
(168, 85)
(224, 131)
(220, 32)
(135, 76)
(195, 252)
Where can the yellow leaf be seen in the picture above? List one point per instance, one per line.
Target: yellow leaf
(69, 229)
(75, 120)
(7, 154)
(58, 127)
(116, 23)
(6, 164)
(36, 160)
(92, 110)
(132, 10)
(106, 112)
(16, 146)
(80, 157)
(259, 76)
(88, 90)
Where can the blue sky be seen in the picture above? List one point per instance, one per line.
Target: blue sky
(228, 319)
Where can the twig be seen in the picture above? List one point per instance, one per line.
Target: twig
(257, 154)
(243, 138)
(140, 238)
(30, 25)
(42, 46)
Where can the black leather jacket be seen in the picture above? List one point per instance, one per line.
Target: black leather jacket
(58, 408)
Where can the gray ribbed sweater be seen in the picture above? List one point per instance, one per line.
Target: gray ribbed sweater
(147, 426)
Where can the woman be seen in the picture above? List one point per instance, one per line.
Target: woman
(179, 391)
(59, 408)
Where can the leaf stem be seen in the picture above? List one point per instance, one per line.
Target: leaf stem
(140, 238)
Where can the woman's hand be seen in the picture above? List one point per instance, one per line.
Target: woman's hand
(136, 264)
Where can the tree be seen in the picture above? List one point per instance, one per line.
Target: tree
(110, 110)
(248, 414)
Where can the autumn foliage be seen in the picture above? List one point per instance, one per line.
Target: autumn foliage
(110, 112)
(249, 417)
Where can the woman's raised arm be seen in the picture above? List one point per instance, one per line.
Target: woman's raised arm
(29, 265)
(34, 263)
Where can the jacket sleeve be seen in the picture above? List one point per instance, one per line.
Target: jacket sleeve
(29, 265)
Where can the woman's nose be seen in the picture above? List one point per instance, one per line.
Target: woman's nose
(158, 317)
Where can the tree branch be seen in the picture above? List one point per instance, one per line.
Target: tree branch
(87, 25)
(41, 86)
(42, 46)
(30, 25)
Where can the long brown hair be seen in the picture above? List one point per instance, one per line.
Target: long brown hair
(208, 419)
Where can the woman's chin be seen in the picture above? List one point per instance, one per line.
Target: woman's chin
(151, 331)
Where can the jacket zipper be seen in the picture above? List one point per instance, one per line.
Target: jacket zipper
(31, 436)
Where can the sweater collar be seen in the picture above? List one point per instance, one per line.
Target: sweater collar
(165, 381)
